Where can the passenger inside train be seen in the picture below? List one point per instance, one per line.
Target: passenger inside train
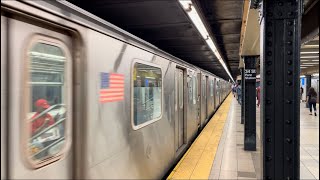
(47, 111)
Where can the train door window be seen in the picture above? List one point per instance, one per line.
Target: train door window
(47, 101)
(211, 88)
(180, 88)
(147, 94)
(194, 87)
(190, 83)
(203, 88)
(217, 87)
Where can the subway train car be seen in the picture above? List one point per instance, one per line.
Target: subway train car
(81, 98)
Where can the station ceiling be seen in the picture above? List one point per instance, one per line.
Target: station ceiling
(165, 24)
(309, 57)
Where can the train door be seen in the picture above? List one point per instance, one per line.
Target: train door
(179, 104)
(40, 101)
(3, 96)
(215, 94)
(219, 91)
(208, 96)
(203, 99)
(198, 94)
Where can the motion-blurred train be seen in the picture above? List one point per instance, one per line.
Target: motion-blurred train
(81, 98)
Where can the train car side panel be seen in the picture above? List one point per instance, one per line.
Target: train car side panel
(3, 96)
(21, 34)
(114, 145)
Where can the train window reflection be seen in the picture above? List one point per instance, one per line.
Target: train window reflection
(211, 88)
(47, 109)
(180, 82)
(194, 87)
(147, 94)
(203, 88)
(190, 84)
(217, 87)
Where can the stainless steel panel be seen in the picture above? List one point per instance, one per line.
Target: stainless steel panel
(114, 147)
(20, 34)
(203, 99)
(217, 102)
(176, 110)
(180, 96)
(208, 97)
(192, 123)
(198, 98)
(3, 96)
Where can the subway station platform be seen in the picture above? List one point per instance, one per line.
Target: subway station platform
(218, 152)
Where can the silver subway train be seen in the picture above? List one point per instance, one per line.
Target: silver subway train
(81, 98)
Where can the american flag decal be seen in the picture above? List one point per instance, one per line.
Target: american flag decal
(112, 87)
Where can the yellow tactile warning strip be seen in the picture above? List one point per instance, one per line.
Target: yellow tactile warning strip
(197, 161)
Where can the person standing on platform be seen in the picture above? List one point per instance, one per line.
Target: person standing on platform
(234, 90)
(312, 100)
(258, 96)
(239, 94)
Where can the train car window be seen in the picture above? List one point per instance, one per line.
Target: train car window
(47, 102)
(147, 94)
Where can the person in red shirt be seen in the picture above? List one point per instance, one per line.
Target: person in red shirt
(44, 120)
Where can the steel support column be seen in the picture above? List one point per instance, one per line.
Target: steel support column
(250, 103)
(242, 95)
(280, 114)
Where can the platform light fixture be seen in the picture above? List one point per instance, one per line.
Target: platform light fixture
(309, 52)
(311, 46)
(310, 63)
(196, 20)
(308, 57)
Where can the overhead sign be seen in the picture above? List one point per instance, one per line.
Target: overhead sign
(250, 74)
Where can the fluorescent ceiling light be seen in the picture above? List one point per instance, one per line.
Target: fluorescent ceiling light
(195, 18)
(302, 67)
(309, 63)
(310, 46)
(315, 60)
(306, 65)
(309, 52)
(305, 60)
(307, 57)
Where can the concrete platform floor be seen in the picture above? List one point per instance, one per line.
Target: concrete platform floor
(232, 162)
